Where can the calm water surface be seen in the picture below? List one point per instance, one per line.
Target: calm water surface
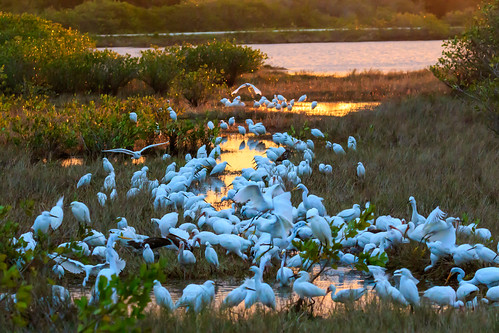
(341, 58)
(342, 278)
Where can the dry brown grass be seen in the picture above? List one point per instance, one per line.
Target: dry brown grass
(357, 86)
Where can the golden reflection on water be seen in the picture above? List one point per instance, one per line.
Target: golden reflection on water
(342, 278)
(72, 161)
(336, 109)
(237, 160)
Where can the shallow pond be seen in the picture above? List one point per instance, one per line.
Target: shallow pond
(342, 278)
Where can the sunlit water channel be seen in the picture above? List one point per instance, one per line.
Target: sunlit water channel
(342, 278)
(342, 58)
(239, 151)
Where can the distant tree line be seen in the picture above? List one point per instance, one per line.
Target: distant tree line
(112, 16)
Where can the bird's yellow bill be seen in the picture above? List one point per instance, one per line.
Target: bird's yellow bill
(448, 278)
(123, 237)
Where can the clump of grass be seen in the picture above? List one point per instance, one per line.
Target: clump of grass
(372, 316)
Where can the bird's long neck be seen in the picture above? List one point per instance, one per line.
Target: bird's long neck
(258, 279)
(283, 261)
(304, 196)
(414, 210)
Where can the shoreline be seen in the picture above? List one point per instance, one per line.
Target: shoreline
(276, 36)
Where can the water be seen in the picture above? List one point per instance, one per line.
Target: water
(342, 278)
(238, 151)
(342, 58)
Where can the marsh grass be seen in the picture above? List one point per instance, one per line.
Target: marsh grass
(374, 316)
(434, 148)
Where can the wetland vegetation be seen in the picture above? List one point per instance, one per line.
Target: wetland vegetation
(426, 139)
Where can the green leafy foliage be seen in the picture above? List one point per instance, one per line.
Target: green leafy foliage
(121, 303)
(197, 86)
(29, 45)
(55, 131)
(227, 59)
(470, 63)
(159, 69)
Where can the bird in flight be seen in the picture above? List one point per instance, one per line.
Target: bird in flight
(135, 154)
(250, 86)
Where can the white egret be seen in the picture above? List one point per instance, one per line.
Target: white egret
(361, 170)
(211, 255)
(488, 276)
(135, 154)
(416, 218)
(236, 296)
(249, 86)
(80, 212)
(305, 289)
(352, 143)
(185, 257)
(313, 105)
(312, 201)
(302, 98)
(162, 296)
(173, 115)
(210, 125)
(408, 286)
(493, 295)
(320, 227)
(108, 167)
(274, 199)
(58, 270)
(84, 180)
(284, 274)
(57, 214)
(338, 149)
(148, 254)
(133, 117)
(110, 182)
(195, 297)
(101, 198)
(42, 223)
(218, 169)
(350, 214)
(263, 291)
(442, 295)
(317, 133)
(485, 254)
(113, 195)
(241, 130)
(95, 238)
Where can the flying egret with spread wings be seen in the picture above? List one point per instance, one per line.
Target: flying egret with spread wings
(135, 154)
(250, 86)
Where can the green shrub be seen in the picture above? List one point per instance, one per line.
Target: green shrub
(110, 71)
(225, 58)
(159, 69)
(470, 63)
(198, 85)
(29, 44)
(74, 128)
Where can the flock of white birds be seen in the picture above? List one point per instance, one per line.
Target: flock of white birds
(261, 225)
